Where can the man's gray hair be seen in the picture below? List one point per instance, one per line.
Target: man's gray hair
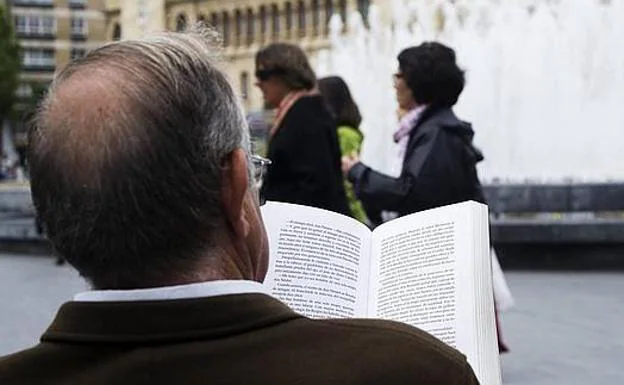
(126, 156)
(165, 60)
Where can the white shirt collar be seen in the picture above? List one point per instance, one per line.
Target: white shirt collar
(194, 290)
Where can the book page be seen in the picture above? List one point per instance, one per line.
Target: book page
(421, 274)
(417, 282)
(319, 260)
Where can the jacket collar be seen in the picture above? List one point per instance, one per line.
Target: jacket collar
(439, 116)
(165, 321)
(445, 118)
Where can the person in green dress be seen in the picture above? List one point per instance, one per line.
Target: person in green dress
(340, 103)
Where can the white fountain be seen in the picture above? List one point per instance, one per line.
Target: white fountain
(544, 81)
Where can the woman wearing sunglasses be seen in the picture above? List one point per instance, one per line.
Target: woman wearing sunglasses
(303, 141)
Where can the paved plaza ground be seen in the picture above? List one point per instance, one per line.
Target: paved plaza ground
(566, 328)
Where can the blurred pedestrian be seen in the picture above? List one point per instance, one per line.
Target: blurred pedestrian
(338, 99)
(7, 167)
(303, 142)
(438, 160)
(435, 151)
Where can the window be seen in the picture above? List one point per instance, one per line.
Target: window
(49, 24)
(238, 26)
(181, 22)
(20, 24)
(35, 25)
(77, 53)
(329, 12)
(251, 26)
(36, 57)
(201, 18)
(226, 29)
(275, 24)
(316, 16)
(33, 2)
(263, 22)
(301, 16)
(24, 90)
(244, 84)
(289, 17)
(116, 32)
(342, 9)
(77, 3)
(79, 26)
(214, 20)
(363, 7)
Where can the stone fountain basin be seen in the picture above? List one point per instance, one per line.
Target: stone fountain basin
(15, 199)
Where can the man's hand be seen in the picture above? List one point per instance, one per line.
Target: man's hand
(348, 161)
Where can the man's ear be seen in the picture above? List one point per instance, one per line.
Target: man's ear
(234, 185)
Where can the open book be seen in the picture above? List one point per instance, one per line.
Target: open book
(431, 270)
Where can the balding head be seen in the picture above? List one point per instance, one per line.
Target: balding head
(126, 154)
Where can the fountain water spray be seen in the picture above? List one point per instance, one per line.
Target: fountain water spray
(544, 81)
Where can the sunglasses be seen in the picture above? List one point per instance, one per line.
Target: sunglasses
(266, 74)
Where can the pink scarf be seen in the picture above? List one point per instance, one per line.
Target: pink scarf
(406, 125)
(285, 106)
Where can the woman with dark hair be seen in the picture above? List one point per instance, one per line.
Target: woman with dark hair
(303, 142)
(338, 99)
(438, 160)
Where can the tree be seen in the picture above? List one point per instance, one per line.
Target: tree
(24, 109)
(10, 65)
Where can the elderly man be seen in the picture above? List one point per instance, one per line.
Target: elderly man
(142, 177)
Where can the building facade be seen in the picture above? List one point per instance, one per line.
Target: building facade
(51, 33)
(245, 26)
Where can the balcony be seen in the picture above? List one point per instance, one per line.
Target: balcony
(35, 35)
(33, 3)
(78, 36)
(77, 4)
